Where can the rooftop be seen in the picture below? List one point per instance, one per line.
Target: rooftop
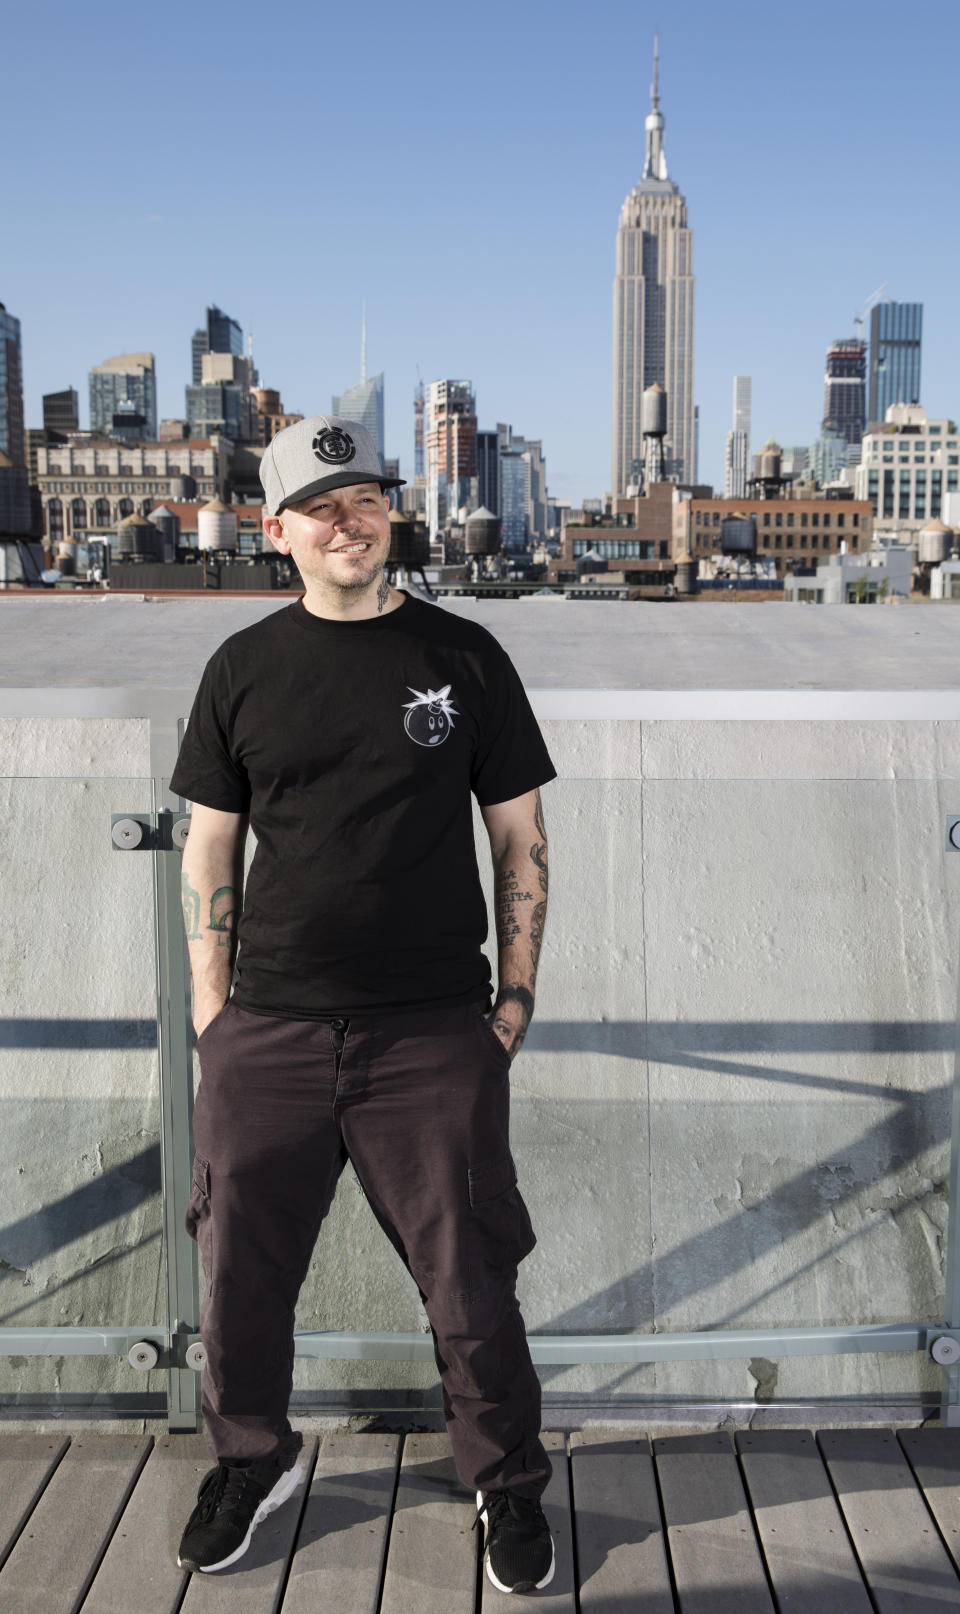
(841, 1522)
(94, 640)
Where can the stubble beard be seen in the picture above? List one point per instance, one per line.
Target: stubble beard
(360, 581)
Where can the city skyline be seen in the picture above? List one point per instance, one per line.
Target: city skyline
(790, 183)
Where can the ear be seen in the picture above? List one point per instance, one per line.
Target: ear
(273, 529)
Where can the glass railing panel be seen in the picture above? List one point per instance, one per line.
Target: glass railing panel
(800, 939)
(80, 1177)
(733, 1107)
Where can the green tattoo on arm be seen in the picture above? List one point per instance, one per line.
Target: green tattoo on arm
(190, 902)
(222, 913)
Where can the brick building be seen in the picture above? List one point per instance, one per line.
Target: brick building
(92, 485)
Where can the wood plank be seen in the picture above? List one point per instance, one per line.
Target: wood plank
(254, 1584)
(621, 1555)
(26, 1463)
(809, 1557)
(340, 1551)
(903, 1559)
(559, 1597)
(934, 1456)
(716, 1561)
(58, 1552)
(143, 1549)
(432, 1555)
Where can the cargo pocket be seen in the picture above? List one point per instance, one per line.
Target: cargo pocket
(501, 1219)
(199, 1201)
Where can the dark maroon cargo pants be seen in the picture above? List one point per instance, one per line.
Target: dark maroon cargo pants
(419, 1102)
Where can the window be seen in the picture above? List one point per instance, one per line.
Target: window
(826, 521)
(841, 519)
(814, 521)
(789, 518)
(814, 540)
(766, 518)
(779, 519)
(803, 520)
(856, 519)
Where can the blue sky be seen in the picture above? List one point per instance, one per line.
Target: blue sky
(461, 169)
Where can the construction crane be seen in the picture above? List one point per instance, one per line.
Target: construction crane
(871, 301)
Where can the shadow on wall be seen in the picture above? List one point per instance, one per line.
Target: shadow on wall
(911, 1123)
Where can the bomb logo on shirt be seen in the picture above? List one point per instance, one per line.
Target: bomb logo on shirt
(430, 716)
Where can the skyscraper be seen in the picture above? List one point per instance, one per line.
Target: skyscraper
(736, 458)
(844, 395)
(61, 411)
(653, 297)
(123, 396)
(488, 471)
(218, 334)
(11, 389)
(224, 400)
(15, 508)
(364, 403)
(896, 330)
(523, 489)
(450, 445)
(418, 454)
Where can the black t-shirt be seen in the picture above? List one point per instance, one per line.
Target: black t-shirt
(354, 747)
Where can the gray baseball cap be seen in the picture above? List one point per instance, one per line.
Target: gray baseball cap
(316, 454)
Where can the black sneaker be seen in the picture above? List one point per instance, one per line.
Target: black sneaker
(518, 1552)
(233, 1499)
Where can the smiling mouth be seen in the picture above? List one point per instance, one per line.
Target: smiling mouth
(359, 548)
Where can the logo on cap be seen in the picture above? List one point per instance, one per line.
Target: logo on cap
(335, 446)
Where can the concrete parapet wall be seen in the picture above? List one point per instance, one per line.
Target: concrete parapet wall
(732, 1110)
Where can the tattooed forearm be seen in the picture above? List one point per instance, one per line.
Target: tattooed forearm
(521, 909)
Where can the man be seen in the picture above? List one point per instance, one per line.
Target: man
(350, 729)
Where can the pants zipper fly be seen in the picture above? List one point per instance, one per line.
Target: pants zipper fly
(338, 1036)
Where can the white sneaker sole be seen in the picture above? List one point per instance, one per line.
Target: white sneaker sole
(499, 1583)
(284, 1488)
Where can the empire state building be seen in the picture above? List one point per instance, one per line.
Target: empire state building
(653, 313)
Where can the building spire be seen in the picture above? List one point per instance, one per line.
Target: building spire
(655, 166)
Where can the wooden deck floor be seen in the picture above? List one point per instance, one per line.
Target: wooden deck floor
(764, 1522)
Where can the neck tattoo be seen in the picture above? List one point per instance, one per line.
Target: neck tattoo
(383, 594)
